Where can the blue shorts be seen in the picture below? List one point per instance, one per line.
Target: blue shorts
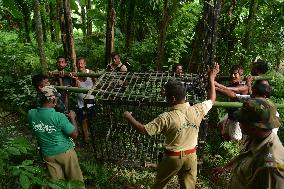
(86, 113)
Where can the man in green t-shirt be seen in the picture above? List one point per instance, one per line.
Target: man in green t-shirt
(54, 131)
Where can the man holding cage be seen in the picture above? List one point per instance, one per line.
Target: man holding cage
(180, 126)
(260, 163)
(53, 132)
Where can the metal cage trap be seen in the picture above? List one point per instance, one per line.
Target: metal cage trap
(140, 93)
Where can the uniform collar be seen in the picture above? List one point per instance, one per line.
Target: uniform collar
(180, 106)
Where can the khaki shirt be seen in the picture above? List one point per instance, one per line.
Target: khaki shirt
(260, 165)
(180, 125)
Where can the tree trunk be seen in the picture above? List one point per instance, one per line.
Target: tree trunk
(52, 19)
(27, 19)
(215, 18)
(27, 29)
(204, 45)
(89, 19)
(123, 15)
(110, 31)
(24, 22)
(250, 23)
(129, 25)
(48, 19)
(60, 15)
(69, 35)
(89, 27)
(83, 19)
(43, 23)
(39, 35)
(227, 32)
(57, 22)
(162, 36)
(194, 59)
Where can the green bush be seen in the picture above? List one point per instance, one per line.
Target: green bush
(16, 165)
(18, 92)
(108, 175)
(278, 96)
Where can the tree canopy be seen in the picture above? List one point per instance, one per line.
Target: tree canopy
(152, 35)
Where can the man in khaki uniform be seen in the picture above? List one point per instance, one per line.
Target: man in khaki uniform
(260, 163)
(180, 127)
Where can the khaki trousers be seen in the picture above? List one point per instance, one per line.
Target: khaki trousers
(64, 166)
(185, 167)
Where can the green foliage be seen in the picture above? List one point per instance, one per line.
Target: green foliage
(181, 31)
(20, 163)
(112, 176)
(277, 88)
(16, 57)
(265, 37)
(95, 56)
(278, 96)
(18, 62)
(15, 166)
(10, 6)
(20, 95)
(218, 152)
(95, 174)
(141, 58)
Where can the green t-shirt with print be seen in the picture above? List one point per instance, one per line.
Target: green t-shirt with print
(52, 130)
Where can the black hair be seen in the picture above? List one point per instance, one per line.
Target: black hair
(175, 67)
(80, 58)
(113, 54)
(60, 57)
(37, 79)
(175, 88)
(42, 99)
(261, 66)
(261, 89)
(237, 67)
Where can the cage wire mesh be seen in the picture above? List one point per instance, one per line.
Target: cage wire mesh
(208, 38)
(142, 94)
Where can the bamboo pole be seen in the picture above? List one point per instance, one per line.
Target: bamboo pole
(239, 104)
(79, 74)
(100, 73)
(187, 77)
(261, 77)
(217, 103)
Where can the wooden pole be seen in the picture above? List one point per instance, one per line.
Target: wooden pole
(217, 103)
(261, 77)
(79, 74)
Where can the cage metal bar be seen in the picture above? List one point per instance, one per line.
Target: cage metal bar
(114, 140)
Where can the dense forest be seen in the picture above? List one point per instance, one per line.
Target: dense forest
(150, 35)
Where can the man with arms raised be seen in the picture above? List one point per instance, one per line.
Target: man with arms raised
(180, 126)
